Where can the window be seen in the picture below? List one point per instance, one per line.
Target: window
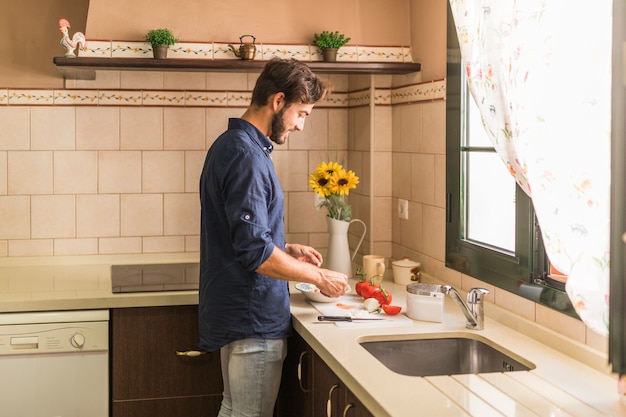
(491, 232)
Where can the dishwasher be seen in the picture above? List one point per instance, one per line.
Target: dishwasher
(54, 364)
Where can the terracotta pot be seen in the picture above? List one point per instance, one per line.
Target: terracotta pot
(160, 51)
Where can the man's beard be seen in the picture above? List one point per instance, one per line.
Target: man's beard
(279, 132)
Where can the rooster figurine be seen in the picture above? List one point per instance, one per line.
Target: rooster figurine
(70, 44)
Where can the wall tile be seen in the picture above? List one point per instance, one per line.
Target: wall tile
(226, 81)
(35, 247)
(194, 161)
(423, 178)
(434, 127)
(119, 172)
(141, 215)
(87, 246)
(566, 325)
(303, 216)
(163, 244)
(163, 171)
(30, 172)
(75, 172)
(13, 223)
(53, 216)
(107, 246)
(292, 169)
(15, 132)
(97, 215)
(97, 128)
(181, 213)
(434, 231)
(53, 128)
(183, 128)
(3, 172)
(184, 80)
(138, 80)
(141, 128)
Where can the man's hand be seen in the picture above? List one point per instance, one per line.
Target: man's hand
(304, 253)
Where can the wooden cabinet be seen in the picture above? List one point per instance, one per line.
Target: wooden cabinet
(310, 388)
(148, 378)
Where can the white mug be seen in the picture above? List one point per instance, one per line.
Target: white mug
(374, 265)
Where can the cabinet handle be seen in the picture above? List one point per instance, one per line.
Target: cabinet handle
(329, 403)
(300, 372)
(346, 409)
(190, 353)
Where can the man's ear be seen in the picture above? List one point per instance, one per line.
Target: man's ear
(277, 101)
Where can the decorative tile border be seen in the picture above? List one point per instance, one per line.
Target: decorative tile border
(67, 97)
(221, 50)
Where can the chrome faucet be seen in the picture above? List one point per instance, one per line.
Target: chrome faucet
(474, 310)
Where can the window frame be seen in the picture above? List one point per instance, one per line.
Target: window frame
(525, 272)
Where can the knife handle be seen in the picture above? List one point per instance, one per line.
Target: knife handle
(334, 318)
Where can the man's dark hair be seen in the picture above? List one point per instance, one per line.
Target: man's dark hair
(294, 78)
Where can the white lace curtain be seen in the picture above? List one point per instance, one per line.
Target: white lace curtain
(539, 71)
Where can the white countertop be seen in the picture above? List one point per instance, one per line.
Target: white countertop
(558, 386)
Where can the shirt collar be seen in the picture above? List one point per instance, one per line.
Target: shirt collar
(255, 134)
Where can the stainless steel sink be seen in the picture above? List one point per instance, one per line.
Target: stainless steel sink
(444, 356)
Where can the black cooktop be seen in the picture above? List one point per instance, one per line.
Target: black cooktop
(155, 277)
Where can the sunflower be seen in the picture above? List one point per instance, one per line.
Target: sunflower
(342, 182)
(331, 181)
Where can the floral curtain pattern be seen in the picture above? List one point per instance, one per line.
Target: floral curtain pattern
(539, 71)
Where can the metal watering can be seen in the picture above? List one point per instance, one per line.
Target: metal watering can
(246, 51)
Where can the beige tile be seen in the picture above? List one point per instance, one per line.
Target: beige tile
(408, 233)
(3, 172)
(184, 80)
(119, 172)
(104, 79)
(163, 171)
(97, 215)
(337, 129)
(194, 161)
(162, 98)
(141, 128)
(137, 80)
(4, 252)
(561, 323)
(407, 128)
(515, 303)
(38, 247)
(53, 216)
(423, 178)
(97, 128)
(434, 225)
(382, 219)
(192, 243)
(75, 172)
(360, 119)
(183, 128)
(30, 172)
(15, 132)
(217, 122)
(141, 215)
(88, 246)
(53, 128)
(382, 128)
(163, 244)
(401, 175)
(440, 181)
(181, 214)
(382, 173)
(314, 134)
(231, 81)
(15, 218)
(292, 169)
(597, 341)
(434, 127)
(119, 245)
(303, 216)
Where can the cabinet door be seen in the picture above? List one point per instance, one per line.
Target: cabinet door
(353, 407)
(148, 378)
(296, 389)
(329, 392)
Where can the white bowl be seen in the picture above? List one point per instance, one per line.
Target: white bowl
(313, 293)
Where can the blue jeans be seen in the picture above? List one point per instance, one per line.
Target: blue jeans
(251, 370)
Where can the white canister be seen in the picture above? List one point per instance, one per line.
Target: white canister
(406, 271)
(424, 302)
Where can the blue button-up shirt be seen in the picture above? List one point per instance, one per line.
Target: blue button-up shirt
(241, 222)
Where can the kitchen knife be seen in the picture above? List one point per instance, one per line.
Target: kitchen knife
(346, 318)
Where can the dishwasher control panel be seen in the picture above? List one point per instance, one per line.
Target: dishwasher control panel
(38, 338)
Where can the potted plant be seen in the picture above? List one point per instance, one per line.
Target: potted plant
(329, 42)
(160, 39)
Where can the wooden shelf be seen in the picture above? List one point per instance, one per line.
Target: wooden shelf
(85, 68)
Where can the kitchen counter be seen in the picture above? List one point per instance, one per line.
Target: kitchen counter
(576, 384)
(558, 385)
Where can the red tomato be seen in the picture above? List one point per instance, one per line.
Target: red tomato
(383, 296)
(368, 290)
(359, 286)
(391, 310)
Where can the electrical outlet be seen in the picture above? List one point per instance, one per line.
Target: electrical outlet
(403, 209)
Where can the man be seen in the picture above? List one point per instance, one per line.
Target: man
(245, 263)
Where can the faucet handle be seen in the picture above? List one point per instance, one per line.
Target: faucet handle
(475, 295)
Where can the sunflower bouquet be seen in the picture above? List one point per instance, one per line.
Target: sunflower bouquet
(331, 181)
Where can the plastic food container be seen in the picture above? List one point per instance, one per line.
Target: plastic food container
(424, 302)
(406, 271)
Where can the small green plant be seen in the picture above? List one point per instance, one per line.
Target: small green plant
(328, 39)
(161, 37)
